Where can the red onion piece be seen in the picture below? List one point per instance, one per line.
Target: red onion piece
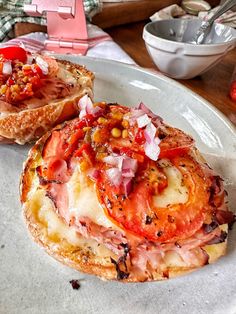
(30, 59)
(114, 176)
(114, 161)
(86, 107)
(97, 111)
(143, 120)
(150, 132)
(124, 171)
(89, 106)
(111, 160)
(127, 183)
(128, 173)
(136, 113)
(93, 174)
(155, 118)
(83, 102)
(7, 68)
(42, 64)
(130, 163)
(152, 150)
(146, 110)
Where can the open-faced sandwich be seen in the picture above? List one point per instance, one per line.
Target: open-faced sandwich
(120, 194)
(37, 92)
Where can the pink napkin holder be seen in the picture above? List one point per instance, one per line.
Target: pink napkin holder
(66, 24)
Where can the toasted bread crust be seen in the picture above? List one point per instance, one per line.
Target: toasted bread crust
(28, 125)
(81, 257)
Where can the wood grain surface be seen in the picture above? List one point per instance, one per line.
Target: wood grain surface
(213, 85)
(120, 13)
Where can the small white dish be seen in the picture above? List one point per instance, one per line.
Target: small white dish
(167, 42)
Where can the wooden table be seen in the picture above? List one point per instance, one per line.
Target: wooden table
(213, 85)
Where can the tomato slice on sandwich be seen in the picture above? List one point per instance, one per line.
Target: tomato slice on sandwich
(14, 53)
(138, 212)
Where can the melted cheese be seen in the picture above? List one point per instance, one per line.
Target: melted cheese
(176, 192)
(83, 201)
(56, 230)
(66, 76)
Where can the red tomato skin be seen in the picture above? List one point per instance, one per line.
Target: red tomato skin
(73, 142)
(84, 147)
(14, 53)
(85, 121)
(177, 221)
(140, 138)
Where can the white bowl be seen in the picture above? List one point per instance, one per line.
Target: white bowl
(167, 44)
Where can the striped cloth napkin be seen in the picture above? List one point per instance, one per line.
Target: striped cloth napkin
(11, 12)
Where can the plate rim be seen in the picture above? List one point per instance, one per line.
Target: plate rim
(161, 76)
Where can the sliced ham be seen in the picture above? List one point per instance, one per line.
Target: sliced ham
(112, 239)
(50, 90)
(59, 196)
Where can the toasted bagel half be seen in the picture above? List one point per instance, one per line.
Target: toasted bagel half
(69, 214)
(54, 101)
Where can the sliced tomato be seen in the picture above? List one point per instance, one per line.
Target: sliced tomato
(175, 143)
(84, 122)
(138, 213)
(14, 53)
(73, 143)
(140, 138)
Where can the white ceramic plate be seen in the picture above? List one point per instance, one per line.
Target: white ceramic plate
(33, 282)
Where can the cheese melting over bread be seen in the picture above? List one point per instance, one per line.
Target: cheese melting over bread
(83, 201)
(66, 75)
(56, 229)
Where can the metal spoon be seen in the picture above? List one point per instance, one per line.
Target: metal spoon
(204, 29)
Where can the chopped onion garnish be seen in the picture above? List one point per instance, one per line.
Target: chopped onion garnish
(144, 108)
(128, 173)
(127, 183)
(136, 113)
(124, 171)
(86, 107)
(30, 59)
(151, 147)
(42, 64)
(97, 111)
(7, 68)
(129, 163)
(114, 175)
(114, 161)
(150, 132)
(89, 106)
(143, 120)
(93, 174)
(152, 150)
(155, 118)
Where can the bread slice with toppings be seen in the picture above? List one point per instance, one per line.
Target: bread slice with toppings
(37, 93)
(119, 194)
